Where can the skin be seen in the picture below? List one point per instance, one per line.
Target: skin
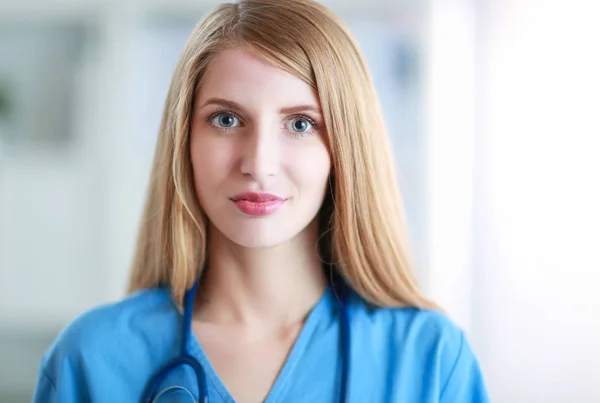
(257, 128)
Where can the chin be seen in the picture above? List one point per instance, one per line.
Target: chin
(255, 244)
(268, 232)
(258, 239)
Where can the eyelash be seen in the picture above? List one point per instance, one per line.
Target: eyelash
(314, 125)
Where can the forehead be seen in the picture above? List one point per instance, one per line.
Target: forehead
(243, 77)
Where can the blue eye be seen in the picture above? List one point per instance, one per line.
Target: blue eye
(300, 125)
(225, 120)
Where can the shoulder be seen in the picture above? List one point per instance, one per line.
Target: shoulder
(423, 328)
(426, 330)
(427, 343)
(118, 344)
(110, 326)
(416, 332)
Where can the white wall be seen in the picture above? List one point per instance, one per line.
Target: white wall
(537, 263)
(449, 110)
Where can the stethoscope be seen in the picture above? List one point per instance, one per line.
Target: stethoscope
(150, 394)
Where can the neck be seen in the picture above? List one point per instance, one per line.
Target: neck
(274, 286)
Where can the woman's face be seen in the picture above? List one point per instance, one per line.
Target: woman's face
(258, 151)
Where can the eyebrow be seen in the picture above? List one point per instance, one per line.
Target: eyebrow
(237, 107)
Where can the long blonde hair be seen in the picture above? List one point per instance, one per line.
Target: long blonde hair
(363, 227)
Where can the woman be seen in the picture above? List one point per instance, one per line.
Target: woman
(271, 263)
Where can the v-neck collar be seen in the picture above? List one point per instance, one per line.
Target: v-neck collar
(321, 308)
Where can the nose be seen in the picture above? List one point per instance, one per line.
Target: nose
(260, 156)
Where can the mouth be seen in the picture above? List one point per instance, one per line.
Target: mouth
(257, 204)
(257, 197)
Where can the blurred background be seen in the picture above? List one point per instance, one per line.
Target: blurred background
(494, 111)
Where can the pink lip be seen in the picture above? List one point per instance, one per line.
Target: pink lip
(257, 204)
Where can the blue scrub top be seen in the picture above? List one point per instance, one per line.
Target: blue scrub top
(397, 355)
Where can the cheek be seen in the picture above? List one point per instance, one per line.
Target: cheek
(210, 163)
(310, 169)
